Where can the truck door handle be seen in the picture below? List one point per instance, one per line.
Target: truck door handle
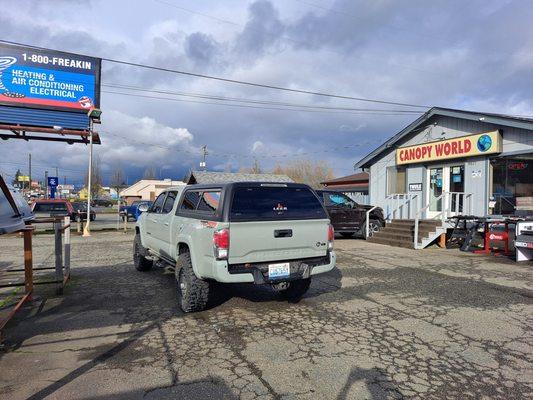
(282, 233)
(166, 223)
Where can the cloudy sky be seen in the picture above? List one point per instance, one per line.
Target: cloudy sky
(476, 55)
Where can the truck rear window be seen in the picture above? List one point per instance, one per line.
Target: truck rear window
(275, 203)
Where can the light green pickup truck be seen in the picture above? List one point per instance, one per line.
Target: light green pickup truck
(264, 233)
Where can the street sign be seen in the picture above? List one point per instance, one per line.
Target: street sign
(53, 181)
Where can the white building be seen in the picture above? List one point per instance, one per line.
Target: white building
(147, 189)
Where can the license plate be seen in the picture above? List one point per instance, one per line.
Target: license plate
(280, 270)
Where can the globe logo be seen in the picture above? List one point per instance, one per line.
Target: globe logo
(484, 142)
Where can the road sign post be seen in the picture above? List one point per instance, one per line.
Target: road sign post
(52, 183)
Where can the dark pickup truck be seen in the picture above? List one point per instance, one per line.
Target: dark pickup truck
(347, 216)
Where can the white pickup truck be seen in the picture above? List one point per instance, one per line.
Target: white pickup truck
(263, 233)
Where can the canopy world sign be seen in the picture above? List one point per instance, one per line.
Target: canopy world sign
(463, 146)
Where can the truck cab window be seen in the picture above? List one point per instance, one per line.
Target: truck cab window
(190, 200)
(209, 202)
(338, 200)
(169, 202)
(158, 204)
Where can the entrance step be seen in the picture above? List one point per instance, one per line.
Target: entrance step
(400, 233)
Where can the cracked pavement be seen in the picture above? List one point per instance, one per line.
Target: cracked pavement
(388, 323)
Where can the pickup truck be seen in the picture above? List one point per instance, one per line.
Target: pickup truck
(276, 234)
(77, 211)
(348, 217)
(132, 211)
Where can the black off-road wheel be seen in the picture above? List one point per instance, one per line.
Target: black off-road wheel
(374, 226)
(140, 262)
(296, 290)
(193, 292)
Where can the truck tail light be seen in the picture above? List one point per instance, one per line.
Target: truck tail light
(331, 237)
(221, 243)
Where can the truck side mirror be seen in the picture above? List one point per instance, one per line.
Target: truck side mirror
(143, 208)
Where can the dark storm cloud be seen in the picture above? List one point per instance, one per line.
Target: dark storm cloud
(200, 48)
(263, 30)
(475, 55)
(348, 29)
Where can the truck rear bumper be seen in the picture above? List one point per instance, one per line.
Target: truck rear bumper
(300, 269)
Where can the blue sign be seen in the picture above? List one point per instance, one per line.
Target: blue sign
(31, 77)
(53, 181)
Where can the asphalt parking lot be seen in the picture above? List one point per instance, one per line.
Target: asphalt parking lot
(388, 323)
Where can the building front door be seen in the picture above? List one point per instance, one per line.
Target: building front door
(440, 179)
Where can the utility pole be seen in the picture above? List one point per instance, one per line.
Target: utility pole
(203, 164)
(46, 184)
(29, 174)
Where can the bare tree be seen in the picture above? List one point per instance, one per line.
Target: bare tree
(117, 180)
(149, 173)
(306, 171)
(96, 178)
(254, 169)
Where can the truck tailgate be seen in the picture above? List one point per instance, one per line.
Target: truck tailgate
(264, 241)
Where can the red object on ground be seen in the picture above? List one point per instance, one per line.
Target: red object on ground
(495, 236)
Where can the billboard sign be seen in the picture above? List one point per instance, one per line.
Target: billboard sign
(48, 79)
(458, 147)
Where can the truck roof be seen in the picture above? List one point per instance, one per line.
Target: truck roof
(243, 184)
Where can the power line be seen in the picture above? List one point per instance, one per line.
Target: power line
(252, 101)
(250, 106)
(234, 81)
(240, 100)
(225, 154)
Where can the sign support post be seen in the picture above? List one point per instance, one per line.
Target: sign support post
(87, 229)
(94, 117)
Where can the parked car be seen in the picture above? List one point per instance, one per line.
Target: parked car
(102, 203)
(80, 211)
(132, 211)
(348, 217)
(77, 211)
(262, 233)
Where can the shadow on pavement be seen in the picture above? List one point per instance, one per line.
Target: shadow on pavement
(372, 380)
(223, 293)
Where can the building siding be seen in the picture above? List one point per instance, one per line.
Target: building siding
(477, 169)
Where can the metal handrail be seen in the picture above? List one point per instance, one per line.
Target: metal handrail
(409, 196)
(417, 216)
(446, 209)
(367, 220)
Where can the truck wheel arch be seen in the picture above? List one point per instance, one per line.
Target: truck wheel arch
(183, 247)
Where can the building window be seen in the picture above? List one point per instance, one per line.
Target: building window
(512, 186)
(396, 180)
